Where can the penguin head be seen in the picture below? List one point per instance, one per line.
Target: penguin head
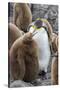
(36, 25)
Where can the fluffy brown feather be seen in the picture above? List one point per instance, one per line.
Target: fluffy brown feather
(23, 58)
(22, 16)
(13, 33)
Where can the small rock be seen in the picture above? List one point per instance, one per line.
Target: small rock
(19, 83)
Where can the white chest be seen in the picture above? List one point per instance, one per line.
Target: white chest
(41, 39)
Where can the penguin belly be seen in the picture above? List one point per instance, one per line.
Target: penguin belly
(41, 39)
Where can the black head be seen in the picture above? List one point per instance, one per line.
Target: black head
(38, 23)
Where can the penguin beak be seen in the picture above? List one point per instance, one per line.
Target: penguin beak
(34, 26)
(34, 33)
(32, 30)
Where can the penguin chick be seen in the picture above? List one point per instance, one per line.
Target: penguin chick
(22, 16)
(54, 42)
(13, 34)
(54, 66)
(54, 71)
(24, 58)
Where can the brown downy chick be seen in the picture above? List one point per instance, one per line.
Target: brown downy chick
(54, 41)
(54, 66)
(24, 58)
(13, 34)
(22, 16)
(54, 71)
